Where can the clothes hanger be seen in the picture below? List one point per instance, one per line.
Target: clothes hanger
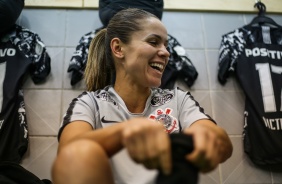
(261, 19)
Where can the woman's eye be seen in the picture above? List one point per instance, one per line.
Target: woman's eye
(153, 42)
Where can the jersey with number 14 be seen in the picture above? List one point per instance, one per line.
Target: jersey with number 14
(255, 55)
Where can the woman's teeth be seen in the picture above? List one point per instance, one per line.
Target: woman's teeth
(157, 66)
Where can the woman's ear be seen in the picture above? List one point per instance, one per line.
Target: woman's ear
(116, 46)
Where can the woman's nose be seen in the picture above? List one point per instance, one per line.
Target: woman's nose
(164, 52)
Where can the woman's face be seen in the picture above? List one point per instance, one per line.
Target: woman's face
(146, 56)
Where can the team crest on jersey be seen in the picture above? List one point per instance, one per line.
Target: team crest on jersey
(162, 97)
(105, 97)
(170, 123)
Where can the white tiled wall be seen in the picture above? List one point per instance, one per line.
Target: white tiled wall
(199, 32)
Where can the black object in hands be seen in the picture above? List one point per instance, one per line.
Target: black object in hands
(183, 172)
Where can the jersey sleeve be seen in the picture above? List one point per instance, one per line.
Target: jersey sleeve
(232, 45)
(82, 108)
(32, 46)
(190, 110)
(79, 58)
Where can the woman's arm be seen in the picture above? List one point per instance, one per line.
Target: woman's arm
(145, 140)
(211, 145)
(109, 138)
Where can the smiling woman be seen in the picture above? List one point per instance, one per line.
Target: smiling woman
(131, 56)
(118, 131)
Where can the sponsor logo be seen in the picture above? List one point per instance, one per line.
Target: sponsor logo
(160, 100)
(105, 97)
(170, 123)
(107, 121)
(263, 52)
(7, 52)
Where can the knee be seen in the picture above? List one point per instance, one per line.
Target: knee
(82, 151)
(83, 154)
(80, 161)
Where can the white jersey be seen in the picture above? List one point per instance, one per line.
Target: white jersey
(177, 110)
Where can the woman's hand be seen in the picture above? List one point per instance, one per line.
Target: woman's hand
(211, 145)
(147, 143)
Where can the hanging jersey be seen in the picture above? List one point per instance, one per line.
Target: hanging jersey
(79, 58)
(179, 65)
(177, 110)
(254, 54)
(21, 51)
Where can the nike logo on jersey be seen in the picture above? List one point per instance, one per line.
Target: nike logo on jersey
(263, 52)
(107, 121)
(7, 52)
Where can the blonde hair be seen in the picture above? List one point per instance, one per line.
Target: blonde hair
(96, 72)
